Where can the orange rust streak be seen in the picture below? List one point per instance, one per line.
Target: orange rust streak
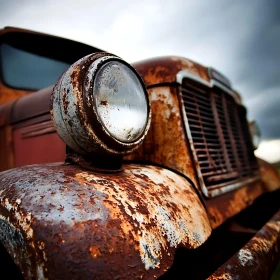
(6, 144)
(9, 94)
(164, 69)
(95, 252)
(128, 223)
(221, 208)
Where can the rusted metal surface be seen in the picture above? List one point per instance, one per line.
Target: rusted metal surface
(32, 105)
(37, 143)
(270, 176)
(8, 94)
(6, 154)
(223, 207)
(5, 113)
(59, 221)
(6, 150)
(257, 259)
(37, 129)
(166, 142)
(172, 70)
(26, 108)
(74, 113)
(165, 69)
(160, 75)
(27, 135)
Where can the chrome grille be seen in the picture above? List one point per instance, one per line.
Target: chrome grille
(220, 135)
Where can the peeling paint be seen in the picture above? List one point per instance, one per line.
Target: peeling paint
(130, 222)
(245, 257)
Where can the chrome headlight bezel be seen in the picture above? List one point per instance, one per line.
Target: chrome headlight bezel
(75, 113)
(90, 95)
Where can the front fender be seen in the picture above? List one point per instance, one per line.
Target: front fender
(59, 221)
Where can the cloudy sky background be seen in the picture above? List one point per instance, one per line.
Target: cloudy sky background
(239, 38)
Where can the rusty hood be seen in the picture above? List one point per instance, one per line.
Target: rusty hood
(58, 221)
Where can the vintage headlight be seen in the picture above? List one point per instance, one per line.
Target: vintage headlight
(120, 101)
(100, 106)
(255, 133)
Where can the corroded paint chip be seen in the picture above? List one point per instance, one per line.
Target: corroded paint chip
(88, 223)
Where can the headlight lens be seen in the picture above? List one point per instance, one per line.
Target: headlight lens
(255, 133)
(120, 101)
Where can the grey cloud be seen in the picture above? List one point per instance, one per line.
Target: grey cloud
(265, 108)
(239, 38)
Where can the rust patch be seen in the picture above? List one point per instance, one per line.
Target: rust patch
(95, 252)
(79, 224)
(258, 258)
(221, 208)
(104, 102)
(164, 69)
(166, 142)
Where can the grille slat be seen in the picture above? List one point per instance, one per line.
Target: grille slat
(220, 135)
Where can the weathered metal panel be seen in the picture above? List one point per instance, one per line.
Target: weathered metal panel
(166, 142)
(257, 259)
(10, 94)
(63, 222)
(162, 70)
(6, 150)
(223, 207)
(37, 143)
(159, 75)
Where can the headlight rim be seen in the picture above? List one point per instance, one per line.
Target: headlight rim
(91, 110)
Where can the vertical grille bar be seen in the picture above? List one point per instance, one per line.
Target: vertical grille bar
(227, 105)
(220, 130)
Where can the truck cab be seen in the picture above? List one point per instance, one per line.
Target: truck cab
(111, 170)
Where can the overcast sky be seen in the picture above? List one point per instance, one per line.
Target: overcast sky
(239, 38)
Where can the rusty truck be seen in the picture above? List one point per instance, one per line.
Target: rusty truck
(111, 170)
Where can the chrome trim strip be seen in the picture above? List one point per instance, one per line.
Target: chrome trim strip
(185, 74)
(213, 83)
(231, 187)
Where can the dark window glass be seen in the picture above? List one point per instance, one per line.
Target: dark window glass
(21, 69)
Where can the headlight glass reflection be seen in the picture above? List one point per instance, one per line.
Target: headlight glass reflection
(120, 101)
(255, 133)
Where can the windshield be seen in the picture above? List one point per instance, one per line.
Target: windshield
(26, 70)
